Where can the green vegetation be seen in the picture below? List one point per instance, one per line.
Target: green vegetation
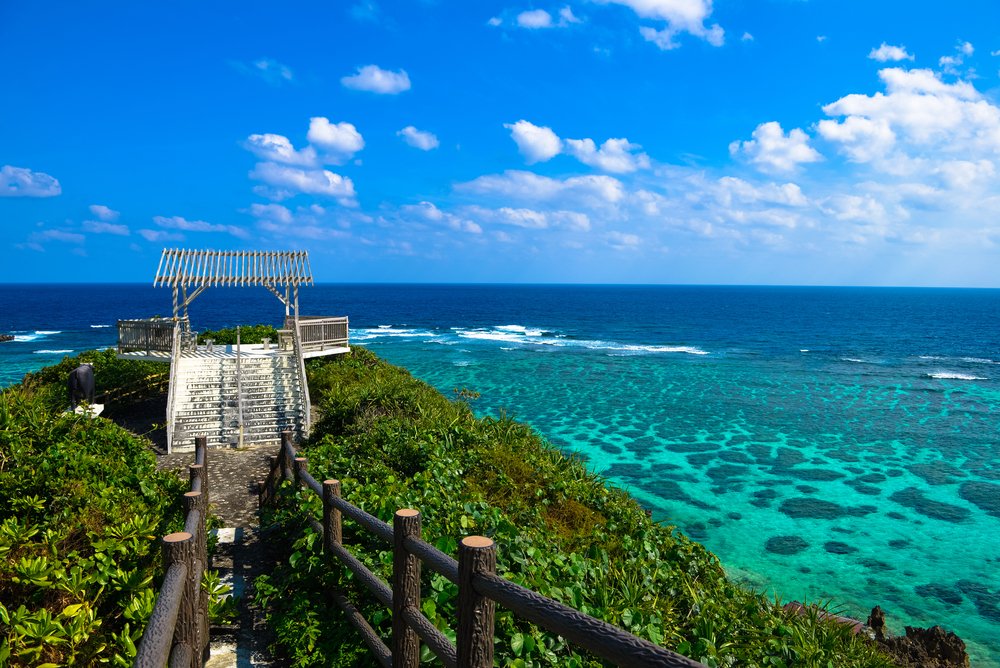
(81, 508)
(249, 334)
(395, 442)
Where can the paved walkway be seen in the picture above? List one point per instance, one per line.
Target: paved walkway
(232, 496)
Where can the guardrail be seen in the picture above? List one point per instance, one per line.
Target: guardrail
(153, 334)
(479, 588)
(177, 631)
(317, 333)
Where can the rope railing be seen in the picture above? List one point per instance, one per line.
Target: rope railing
(480, 589)
(177, 632)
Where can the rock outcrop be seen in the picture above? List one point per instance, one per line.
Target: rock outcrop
(923, 648)
(6, 337)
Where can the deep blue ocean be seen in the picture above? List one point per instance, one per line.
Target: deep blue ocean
(827, 443)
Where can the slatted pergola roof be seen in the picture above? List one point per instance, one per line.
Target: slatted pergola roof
(205, 268)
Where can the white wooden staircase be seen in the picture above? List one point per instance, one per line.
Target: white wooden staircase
(207, 397)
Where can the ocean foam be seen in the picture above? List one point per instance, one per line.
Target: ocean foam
(979, 360)
(689, 350)
(100, 326)
(52, 352)
(949, 375)
(386, 331)
(44, 332)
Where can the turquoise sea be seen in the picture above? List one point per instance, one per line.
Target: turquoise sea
(829, 444)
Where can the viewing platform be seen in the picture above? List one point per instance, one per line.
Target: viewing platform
(234, 394)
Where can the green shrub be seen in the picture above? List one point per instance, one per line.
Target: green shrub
(81, 508)
(395, 442)
(249, 334)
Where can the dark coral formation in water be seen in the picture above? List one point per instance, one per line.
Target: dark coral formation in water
(911, 497)
(785, 544)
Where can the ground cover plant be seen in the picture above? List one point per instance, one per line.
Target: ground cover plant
(395, 442)
(81, 508)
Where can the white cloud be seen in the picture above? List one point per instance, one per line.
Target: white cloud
(615, 155)
(772, 150)
(966, 48)
(919, 110)
(536, 143)
(273, 212)
(160, 235)
(339, 141)
(747, 37)
(101, 227)
(567, 17)
(421, 139)
(532, 219)
(104, 213)
(288, 181)
(272, 71)
(951, 64)
(622, 241)
(58, 235)
(887, 53)
(680, 16)
(528, 186)
(495, 21)
(732, 189)
(535, 18)
(374, 79)
(180, 223)
(22, 182)
(278, 148)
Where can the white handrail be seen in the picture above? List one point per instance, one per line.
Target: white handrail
(175, 355)
(303, 383)
(239, 386)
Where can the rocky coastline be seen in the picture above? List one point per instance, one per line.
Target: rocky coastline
(6, 337)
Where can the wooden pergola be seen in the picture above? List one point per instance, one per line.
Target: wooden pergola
(190, 272)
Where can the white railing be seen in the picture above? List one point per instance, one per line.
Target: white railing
(172, 389)
(153, 334)
(317, 333)
(303, 382)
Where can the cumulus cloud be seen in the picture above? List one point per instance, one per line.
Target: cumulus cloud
(495, 21)
(339, 141)
(735, 190)
(886, 53)
(918, 110)
(273, 212)
(536, 143)
(680, 16)
(285, 181)
(614, 155)
(623, 241)
(421, 139)
(101, 227)
(535, 18)
(428, 211)
(104, 213)
(566, 16)
(374, 79)
(180, 223)
(22, 182)
(58, 235)
(278, 148)
(772, 150)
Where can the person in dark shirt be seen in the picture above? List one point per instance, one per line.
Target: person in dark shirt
(81, 385)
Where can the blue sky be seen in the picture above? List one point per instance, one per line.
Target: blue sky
(832, 142)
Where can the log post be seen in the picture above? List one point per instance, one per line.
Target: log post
(332, 530)
(299, 465)
(405, 589)
(180, 547)
(196, 474)
(285, 460)
(477, 555)
(273, 462)
(197, 501)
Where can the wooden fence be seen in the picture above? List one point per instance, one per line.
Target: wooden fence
(479, 588)
(177, 631)
(145, 335)
(318, 333)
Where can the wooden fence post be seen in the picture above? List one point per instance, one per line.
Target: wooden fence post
(180, 547)
(476, 555)
(299, 465)
(196, 472)
(197, 501)
(285, 460)
(405, 589)
(332, 530)
(273, 462)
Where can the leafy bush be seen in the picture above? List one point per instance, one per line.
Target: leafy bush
(395, 442)
(81, 508)
(248, 335)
